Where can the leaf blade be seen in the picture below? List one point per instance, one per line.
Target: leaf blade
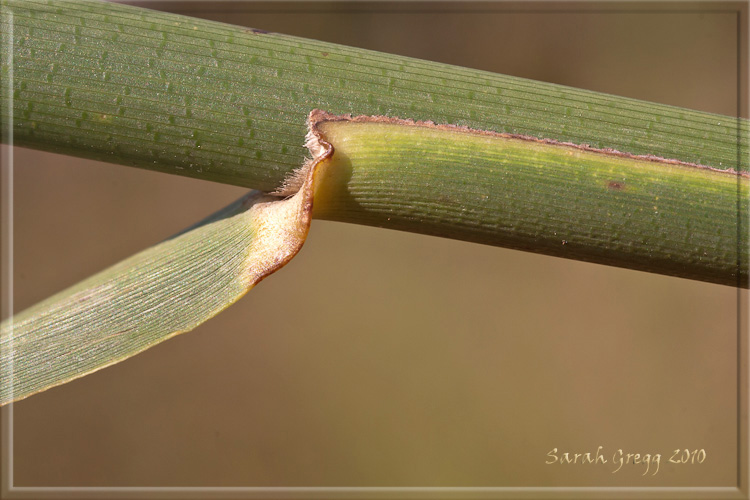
(163, 291)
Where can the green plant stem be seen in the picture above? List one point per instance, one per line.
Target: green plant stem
(228, 104)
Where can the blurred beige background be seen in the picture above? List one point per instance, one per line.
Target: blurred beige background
(379, 358)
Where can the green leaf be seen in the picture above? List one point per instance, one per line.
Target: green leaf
(161, 292)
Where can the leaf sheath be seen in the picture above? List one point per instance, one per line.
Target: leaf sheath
(670, 218)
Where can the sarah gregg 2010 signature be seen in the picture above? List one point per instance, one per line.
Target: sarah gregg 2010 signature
(649, 461)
